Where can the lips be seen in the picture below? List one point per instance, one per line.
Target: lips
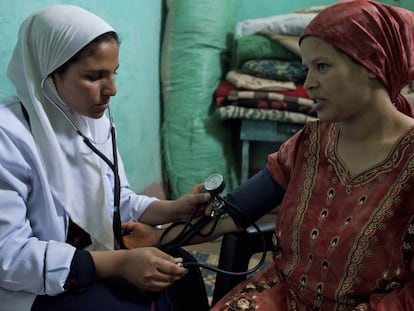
(103, 105)
(318, 103)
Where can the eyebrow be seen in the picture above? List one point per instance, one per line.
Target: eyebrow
(317, 60)
(102, 70)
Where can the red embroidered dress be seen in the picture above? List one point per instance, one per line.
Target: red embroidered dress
(340, 240)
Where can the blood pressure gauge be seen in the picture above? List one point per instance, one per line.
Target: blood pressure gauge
(214, 184)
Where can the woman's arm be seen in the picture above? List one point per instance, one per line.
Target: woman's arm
(148, 268)
(166, 211)
(142, 235)
(259, 195)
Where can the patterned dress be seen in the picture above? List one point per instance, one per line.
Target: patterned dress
(340, 240)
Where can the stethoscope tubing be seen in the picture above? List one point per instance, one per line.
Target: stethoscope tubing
(188, 231)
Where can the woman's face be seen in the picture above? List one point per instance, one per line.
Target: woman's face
(340, 88)
(88, 84)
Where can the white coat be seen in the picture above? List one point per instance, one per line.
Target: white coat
(33, 226)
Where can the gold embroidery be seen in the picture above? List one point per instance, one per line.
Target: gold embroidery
(312, 158)
(355, 264)
(361, 247)
(334, 241)
(377, 172)
(331, 193)
(362, 200)
(314, 234)
(246, 298)
(303, 281)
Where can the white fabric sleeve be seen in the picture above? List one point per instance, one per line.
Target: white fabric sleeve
(31, 256)
(133, 205)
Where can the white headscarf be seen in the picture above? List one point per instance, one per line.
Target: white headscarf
(76, 176)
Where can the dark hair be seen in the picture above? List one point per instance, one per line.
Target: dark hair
(89, 49)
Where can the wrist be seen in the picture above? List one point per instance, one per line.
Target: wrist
(108, 263)
(174, 210)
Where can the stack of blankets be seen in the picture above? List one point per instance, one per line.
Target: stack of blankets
(265, 79)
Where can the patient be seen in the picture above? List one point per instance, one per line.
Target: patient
(345, 228)
(344, 235)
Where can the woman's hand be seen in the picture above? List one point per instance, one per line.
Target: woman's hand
(139, 235)
(195, 201)
(147, 268)
(166, 211)
(151, 269)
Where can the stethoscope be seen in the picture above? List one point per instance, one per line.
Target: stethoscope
(116, 222)
(214, 185)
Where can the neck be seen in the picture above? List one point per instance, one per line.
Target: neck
(379, 120)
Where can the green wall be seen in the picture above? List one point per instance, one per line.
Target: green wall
(136, 108)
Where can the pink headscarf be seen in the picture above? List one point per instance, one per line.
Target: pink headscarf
(378, 36)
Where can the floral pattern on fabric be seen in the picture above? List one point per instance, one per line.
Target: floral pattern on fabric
(275, 69)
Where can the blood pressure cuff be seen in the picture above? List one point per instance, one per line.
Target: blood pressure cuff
(254, 199)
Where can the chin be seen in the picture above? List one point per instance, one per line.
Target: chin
(323, 117)
(96, 115)
(100, 115)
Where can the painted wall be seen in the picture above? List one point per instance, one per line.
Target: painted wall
(136, 108)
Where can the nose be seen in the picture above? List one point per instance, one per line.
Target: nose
(310, 82)
(110, 86)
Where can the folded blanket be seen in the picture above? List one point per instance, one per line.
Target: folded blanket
(260, 47)
(235, 95)
(225, 87)
(250, 82)
(292, 100)
(287, 24)
(259, 103)
(291, 43)
(235, 112)
(275, 70)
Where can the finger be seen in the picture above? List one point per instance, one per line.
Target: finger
(166, 278)
(203, 197)
(208, 210)
(164, 256)
(156, 285)
(172, 270)
(197, 188)
(127, 226)
(161, 278)
(168, 264)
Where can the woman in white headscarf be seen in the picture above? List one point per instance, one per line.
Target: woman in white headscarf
(63, 188)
